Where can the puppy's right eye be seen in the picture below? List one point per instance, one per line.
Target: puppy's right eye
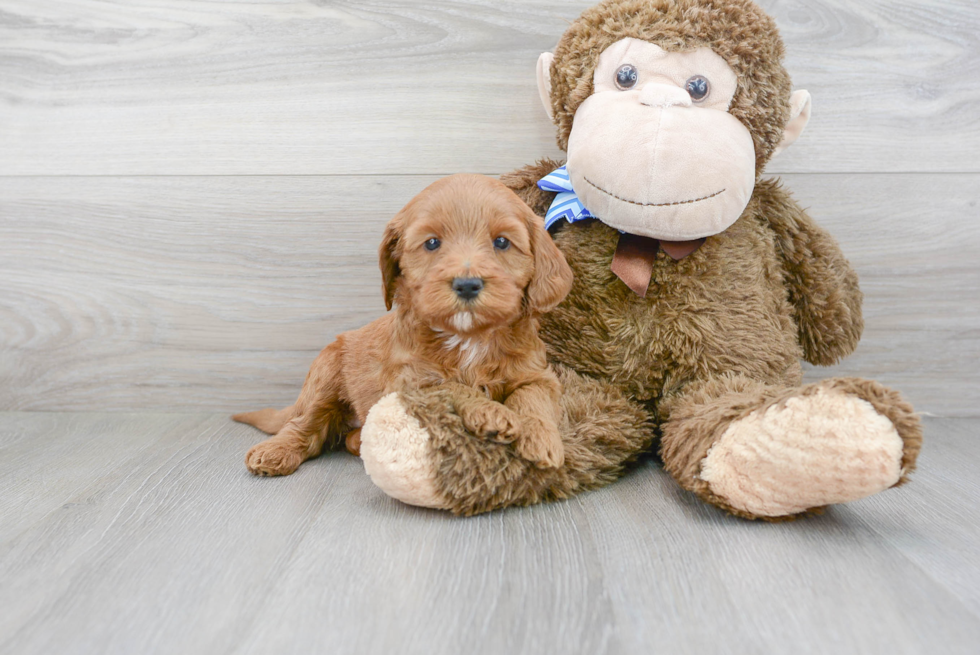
(432, 244)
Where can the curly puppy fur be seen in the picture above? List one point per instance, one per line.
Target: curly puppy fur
(479, 341)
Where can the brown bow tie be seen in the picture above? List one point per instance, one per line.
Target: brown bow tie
(633, 261)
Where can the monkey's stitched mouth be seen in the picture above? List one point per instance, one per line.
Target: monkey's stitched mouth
(651, 204)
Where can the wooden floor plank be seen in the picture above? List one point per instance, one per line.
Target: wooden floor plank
(47, 460)
(826, 584)
(179, 549)
(174, 556)
(935, 525)
(380, 87)
(215, 294)
(440, 584)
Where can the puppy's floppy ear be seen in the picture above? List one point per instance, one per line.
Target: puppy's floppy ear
(388, 257)
(552, 278)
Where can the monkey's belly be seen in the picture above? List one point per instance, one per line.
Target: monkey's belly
(720, 310)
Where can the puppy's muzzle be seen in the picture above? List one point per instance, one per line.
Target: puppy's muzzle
(467, 288)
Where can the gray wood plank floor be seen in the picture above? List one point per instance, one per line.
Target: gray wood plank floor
(129, 533)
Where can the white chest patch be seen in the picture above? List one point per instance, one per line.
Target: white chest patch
(471, 350)
(462, 321)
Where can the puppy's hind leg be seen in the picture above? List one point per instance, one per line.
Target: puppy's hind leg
(270, 420)
(317, 415)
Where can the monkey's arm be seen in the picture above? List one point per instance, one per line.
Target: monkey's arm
(524, 182)
(823, 287)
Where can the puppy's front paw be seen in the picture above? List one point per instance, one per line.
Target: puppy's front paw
(492, 420)
(272, 457)
(541, 443)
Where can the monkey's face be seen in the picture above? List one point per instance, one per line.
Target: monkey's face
(653, 151)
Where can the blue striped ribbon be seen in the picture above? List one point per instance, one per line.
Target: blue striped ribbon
(566, 204)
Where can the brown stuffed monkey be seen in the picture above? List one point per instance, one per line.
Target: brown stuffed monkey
(698, 289)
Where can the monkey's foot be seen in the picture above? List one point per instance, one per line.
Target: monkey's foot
(840, 441)
(396, 454)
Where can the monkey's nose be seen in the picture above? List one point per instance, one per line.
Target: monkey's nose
(664, 95)
(467, 288)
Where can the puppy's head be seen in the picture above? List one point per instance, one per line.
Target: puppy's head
(467, 254)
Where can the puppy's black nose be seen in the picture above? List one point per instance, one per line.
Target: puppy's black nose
(467, 288)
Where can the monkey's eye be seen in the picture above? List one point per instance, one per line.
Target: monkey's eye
(626, 76)
(501, 243)
(698, 87)
(432, 244)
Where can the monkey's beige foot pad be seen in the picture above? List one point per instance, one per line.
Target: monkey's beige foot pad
(396, 454)
(806, 452)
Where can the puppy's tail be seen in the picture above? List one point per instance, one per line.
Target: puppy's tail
(270, 420)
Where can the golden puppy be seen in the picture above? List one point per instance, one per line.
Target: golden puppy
(469, 268)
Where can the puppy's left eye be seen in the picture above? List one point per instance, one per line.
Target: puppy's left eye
(501, 243)
(432, 244)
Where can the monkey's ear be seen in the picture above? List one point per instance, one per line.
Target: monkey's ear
(544, 82)
(552, 277)
(799, 116)
(388, 259)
